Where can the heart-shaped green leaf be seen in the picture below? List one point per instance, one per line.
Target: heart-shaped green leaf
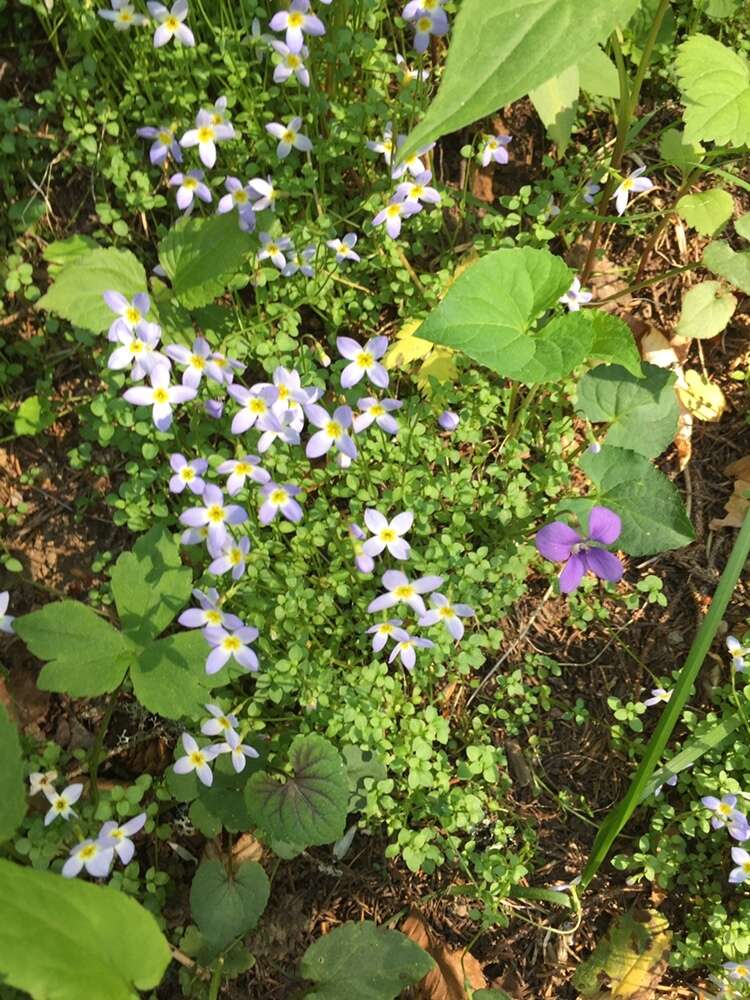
(706, 310)
(227, 905)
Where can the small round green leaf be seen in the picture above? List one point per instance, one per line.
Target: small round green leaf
(225, 906)
(706, 310)
(706, 211)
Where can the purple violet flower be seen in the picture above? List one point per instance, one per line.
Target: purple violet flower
(558, 542)
(449, 420)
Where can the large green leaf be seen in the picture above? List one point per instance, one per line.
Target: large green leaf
(150, 585)
(559, 347)
(490, 309)
(715, 85)
(742, 226)
(227, 905)
(500, 51)
(76, 293)
(706, 310)
(598, 74)
(64, 939)
(12, 788)
(309, 806)
(653, 514)
(169, 676)
(642, 412)
(706, 211)
(720, 258)
(555, 102)
(614, 342)
(86, 655)
(363, 961)
(201, 255)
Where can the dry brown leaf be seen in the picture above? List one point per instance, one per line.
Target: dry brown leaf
(246, 848)
(454, 969)
(737, 505)
(701, 397)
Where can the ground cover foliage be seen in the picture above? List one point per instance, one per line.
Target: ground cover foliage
(378, 348)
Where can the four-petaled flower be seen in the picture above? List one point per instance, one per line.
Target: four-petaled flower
(449, 614)
(189, 186)
(215, 514)
(384, 631)
(196, 759)
(494, 149)
(61, 804)
(256, 406)
(220, 722)
(344, 248)
(95, 857)
(559, 542)
(197, 361)
(363, 361)
(418, 190)
(658, 695)
(117, 836)
(400, 590)
(240, 469)
(39, 780)
(279, 498)
(737, 970)
(160, 396)
(635, 183)
(289, 137)
(387, 534)
(333, 431)
(137, 348)
(726, 814)
(378, 410)
(738, 652)
(238, 196)
(428, 22)
(205, 135)
(130, 313)
(209, 613)
(165, 144)
(232, 556)
(171, 23)
(272, 248)
(238, 750)
(297, 22)
(233, 645)
(742, 872)
(405, 647)
(122, 15)
(291, 64)
(392, 215)
(187, 474)
(575, 297)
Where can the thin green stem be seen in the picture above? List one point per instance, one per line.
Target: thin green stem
(96, 750)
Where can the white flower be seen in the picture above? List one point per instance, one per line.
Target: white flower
(6, 621)
(113, 835)
(171, 23)
(196, 759)
(344, 248)
(39, 781)
(289, 137)
(634, 182)
(205, 135)
(161, 395)
(61, 804)
(387, 534)
(91, 855)
(238, 750)
(123, 15)
(574, 298)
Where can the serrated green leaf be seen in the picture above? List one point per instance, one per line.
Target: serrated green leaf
(363, 961)
(64, 939)
(681, 154)
(489, 311)
(555, 102)
(150, 585)
(200, 257)
(86, 655)
(653, 514)
(227, 905)
(610, 394)
(706, 211)
(715, 85)
(735, 267)
(742, 226)
(559, 347)
(76, 293)
(500, 51)
(169, 676)
(309, 806)
(12, 785)
(59, 253)
(614, 342)
(598, 74)
(706, 310)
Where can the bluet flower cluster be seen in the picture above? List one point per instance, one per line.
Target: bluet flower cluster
(198, 759)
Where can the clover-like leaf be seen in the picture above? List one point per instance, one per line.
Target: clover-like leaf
(610, 394)
(308, 806)
(225, 905)
(64, 939)
(363, 961)
(12, 788)
(706, 310)
(715, 85)
(86, 655)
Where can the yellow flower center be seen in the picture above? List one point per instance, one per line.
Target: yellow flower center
(278, 497)
(295, 20)
(187, 472)
(206, 133)
(289, 135)
(446, 611)
(231, 644)
(172, 23)
(424, 24)
(388, 535)
(165, 138)
(386, 628)
(393, 210)
(404, 591)
(240, 197)
(190, 183)
(197, 759)
(161, 396)
(88, 852)
(377, 410)
(272, 249)
(725, 809)
(59, 805)
(388, 145)
(197, 361)
(213, 617)
(243, 469)
(417, 190)
(235, 556)
(365, 359)
(293, 61)
(124, 16)
(224, 722)
(257, 405)
(137, 347)
(216, 118)
(334, 429)
(627, 184)
(283, 392)
(132, 315)
(117, 834)
(216, 513)
(741, 970)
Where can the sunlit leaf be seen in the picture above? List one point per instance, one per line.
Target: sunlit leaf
(706, 310)
(715, 85)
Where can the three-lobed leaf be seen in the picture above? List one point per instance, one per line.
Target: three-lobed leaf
(76, 292)
(86, 655)
(363, 961)
(307, 807)
(706, 310)
(225, 905)
(500, 51)
(65, 939)
(12, 785)
(610, 394)
(715, 85)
